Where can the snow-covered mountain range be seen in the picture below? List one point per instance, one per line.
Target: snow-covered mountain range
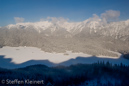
(116, 29)
(92, 35)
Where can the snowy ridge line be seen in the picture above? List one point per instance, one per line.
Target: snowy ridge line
(93, 25)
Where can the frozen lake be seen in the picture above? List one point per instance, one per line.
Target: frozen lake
(23, 54)
(19, 55)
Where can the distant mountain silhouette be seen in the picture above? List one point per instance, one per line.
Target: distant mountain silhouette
(6, 63)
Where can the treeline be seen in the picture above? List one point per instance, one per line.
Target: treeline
(97, 74)
(86, 43)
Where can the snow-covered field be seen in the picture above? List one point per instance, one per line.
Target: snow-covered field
(22, 54)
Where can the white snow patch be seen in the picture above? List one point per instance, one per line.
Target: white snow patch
(23, 54)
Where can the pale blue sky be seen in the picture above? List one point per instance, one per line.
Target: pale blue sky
(74, 10)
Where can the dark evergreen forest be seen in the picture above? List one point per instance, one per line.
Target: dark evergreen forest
(97, 74)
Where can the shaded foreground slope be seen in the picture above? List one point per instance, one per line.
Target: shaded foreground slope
(97, 74)
(7, 62)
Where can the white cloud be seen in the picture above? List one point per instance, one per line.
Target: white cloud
(107, 16)
(55, 19)
(94, 18)
(110, 15)
(103, 18)
(18, 19)
(59, 19)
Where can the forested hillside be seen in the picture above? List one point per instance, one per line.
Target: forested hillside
(97, 74)
(93, 44)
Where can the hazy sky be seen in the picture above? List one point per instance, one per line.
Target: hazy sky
(12, 11)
